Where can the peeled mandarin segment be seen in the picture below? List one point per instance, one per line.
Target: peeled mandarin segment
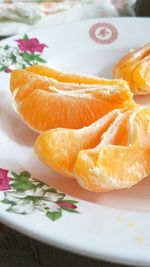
(69, 77)
(139, 124)
(113, 165)
(77, 80)
(126, 74)
(43, 110)
(54, 110)
(117, 133)
(135, 68)
(61, 76)
(141, 76)
(58, 148)
(23, 83)
(86, 170)
(131, 58)
(138, 76)
(132, 163)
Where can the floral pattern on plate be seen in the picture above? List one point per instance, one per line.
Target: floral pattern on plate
(24, 195)
(28, 52)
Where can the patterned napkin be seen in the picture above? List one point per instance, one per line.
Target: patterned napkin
(20, 16)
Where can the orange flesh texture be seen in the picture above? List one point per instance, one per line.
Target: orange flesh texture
(114, 163)
(26, 82)
(52, 110)
(139, 125)
(131, 58)
(138, 76)
(58, 148)
(44, 109)
(141, 76)
(87, 159)
(69, 77)
(135, 68)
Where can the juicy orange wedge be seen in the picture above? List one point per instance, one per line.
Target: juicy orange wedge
(120, 160)
(68, 77)
(135, 69)
(58, 148)
(44, 103)
(23, 83)
(111, 153)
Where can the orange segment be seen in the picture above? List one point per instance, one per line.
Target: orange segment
(68, 77)
(58, 148)
(141, 76)
(23, 82)
(114, 164)
(51, 110)
(139, 125)
(132, 58)
(135, 68)
(44, 103)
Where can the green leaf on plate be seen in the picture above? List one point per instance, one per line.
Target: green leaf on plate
(27, 57)
(53, 216)
(70, 210)
(13, 58)
(6, 47)
(52, 190)
(41, 60)
(26, 37)
(19, 185)
(15, 175)
(38, 58)
(2, 68)
(7, 201)
(25, 174)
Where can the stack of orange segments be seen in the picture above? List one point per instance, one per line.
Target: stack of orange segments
(90, 128)
(135, 68)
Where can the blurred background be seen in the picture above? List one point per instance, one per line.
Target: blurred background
(20, 16)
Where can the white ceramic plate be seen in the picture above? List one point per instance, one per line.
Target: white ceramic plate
(113, 226)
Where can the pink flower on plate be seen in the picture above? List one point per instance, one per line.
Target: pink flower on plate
(7, 70)
(4, 180)
(31, 45)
